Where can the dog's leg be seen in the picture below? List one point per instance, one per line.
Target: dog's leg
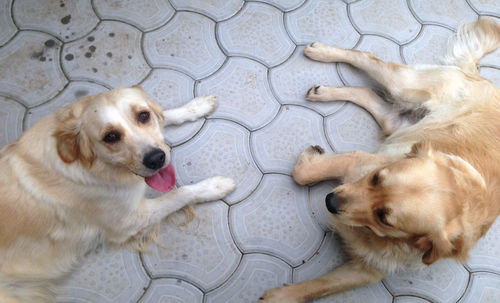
(345, 277)
(404, 83)
(193, 110)
(386, 115)
(313, 165)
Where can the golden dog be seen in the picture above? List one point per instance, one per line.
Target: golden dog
(432, 190)
(78, 178)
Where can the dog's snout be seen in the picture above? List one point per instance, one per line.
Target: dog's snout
(154, 159)
(332, 203)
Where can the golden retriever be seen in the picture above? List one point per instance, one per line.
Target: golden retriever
(432, 189)
(78, 178)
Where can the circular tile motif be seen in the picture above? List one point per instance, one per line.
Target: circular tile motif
(430, 47)
(447, 12)
(11, 121)
(6, 23)
(483, 288)
(172, 291)
(216, 9)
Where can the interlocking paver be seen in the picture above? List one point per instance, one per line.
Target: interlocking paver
(274, 219)
(487, 7)
(485, 256)
(11, 117)
(448, 12)
(6, 23)
(284, 5)
(201, 251)
(492, 59)
(172, 291)
(145, 14)
(491, 74)
(429, 46)
(216, 9)
(67, 20)
(243, 92)
(409, 299)
(30, 70)
(257, 31)
(484, 288)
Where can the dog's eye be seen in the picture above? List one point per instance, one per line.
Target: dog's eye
(112, 137)
(375, 180)
(381, 213)
(143, 117)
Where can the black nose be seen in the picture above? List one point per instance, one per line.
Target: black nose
(332, 203)
(154, 159)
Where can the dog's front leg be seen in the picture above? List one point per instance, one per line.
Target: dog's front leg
(193, 110)
(345, 277)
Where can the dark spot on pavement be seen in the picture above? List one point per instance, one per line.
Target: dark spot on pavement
(69, 57)
(111, 35)
(42, 59)
(66, 19)
(109, 54)
(129, 56)
(88, 54)
(50, 43)
(36, 55)
(94, 69)
(91, 38)
(92, 48)
(81, 93)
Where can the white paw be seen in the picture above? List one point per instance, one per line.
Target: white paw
(320, 52)
(214, 188)
(279, 295)
(318, 93)
(201, 106)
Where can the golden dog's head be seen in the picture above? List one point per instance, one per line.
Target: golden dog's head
(119, 130)
(421, 200)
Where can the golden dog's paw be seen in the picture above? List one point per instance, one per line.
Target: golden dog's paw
(318, 93)
(320, 52)
(279, 295)
(301, 173)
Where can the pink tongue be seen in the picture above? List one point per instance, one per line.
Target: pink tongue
(163, 180)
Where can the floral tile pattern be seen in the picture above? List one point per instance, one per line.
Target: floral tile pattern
(249, 53)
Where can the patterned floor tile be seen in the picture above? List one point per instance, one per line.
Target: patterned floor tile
(317, 195)
(110, 55)
(352, 128)
(491, 74)
(295, 77)
(444, 281)
(448, 12)
(256, 274)
(410, 299)
(67, 20)
(275, 219)
(73, 92)
(6, 24)
(277, 146)
(375, 293)
(256, 32)
(187, 43)
(172, 291)
(106, 276)
(217, 9)
(243, 92)
(29, 68)
(492, 59)
(485, 256)
(382, 48)
(483, 288)
(201, 252)
(385, 17)
(284, 5)
(221, 148)
(486, 7)
(11, 117)
(146, 15)
(324, 21)
(173, 89)
(429, 47)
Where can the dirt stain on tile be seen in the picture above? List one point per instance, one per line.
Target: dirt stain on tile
(69, 57)
(50, 43)
(88, 54)
(91, 38)
(92, 48)
(66, 19)
(81, 93)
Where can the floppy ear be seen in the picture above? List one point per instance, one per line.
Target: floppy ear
(155, 107)
(72, 145)
(422, 149)
(435, 247)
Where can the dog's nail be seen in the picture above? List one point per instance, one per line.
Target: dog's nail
(309, 91)
(316, 89)
(319, 149)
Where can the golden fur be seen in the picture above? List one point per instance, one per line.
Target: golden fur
(432, 190)
(64, 189)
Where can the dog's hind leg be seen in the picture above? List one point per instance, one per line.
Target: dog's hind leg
(193, 110)
(345, 277)
(386, 114)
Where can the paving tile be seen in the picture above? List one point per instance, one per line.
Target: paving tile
(352, 128)
(67, 20)
(486, 7)
(317, 195)
(444, 281)
(11, 117)
(172, 291)
(492, 59)
(201, 252)
(215, 9)
(410, 299)
(385, 17)
(429, 47)
(275, 219)
(173, 89)
(6, 24)
(382, 48)
(277, 146)
(483, 288)
(146, 15)
(448, 12)
(324, 21)
(111, 55)
(71, 93)
(186, 43)
(256, 274)
(30, 68)
(106, 275)
(243, 92)
(374, 293)
(221, 148)
(284, 5)
(491, 74)
(257, 32)
(485, 256)
(297, 75)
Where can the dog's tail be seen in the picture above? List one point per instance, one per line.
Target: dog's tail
(472, 41)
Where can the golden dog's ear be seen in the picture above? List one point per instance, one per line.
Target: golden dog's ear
(435, 247)
(72, 145)
(422, 149)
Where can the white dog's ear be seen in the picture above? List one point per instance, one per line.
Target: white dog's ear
(72, 145)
